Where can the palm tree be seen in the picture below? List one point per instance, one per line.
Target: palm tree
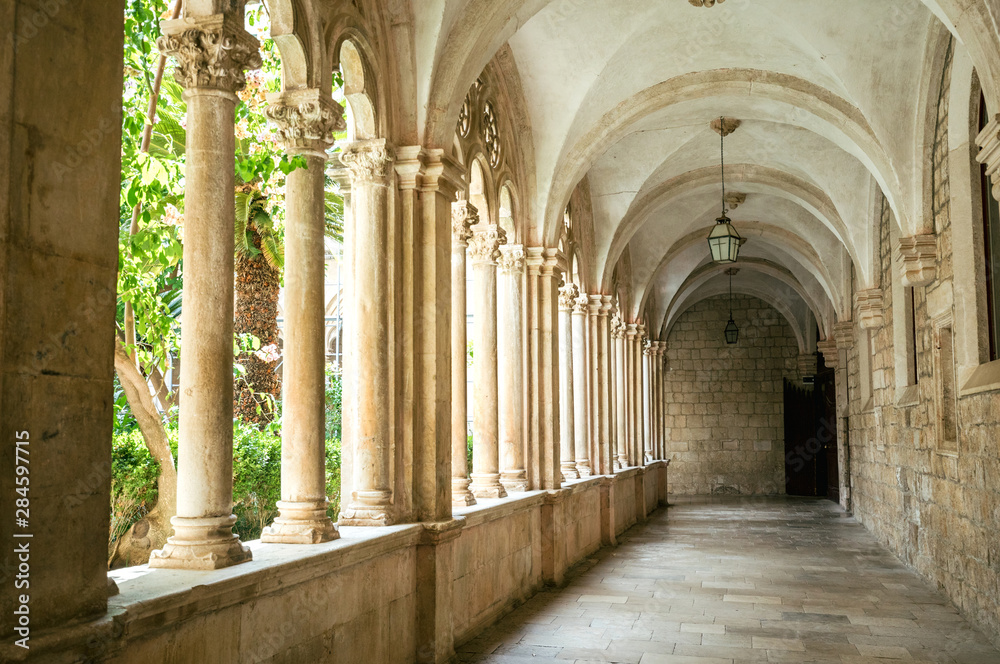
(259, 261)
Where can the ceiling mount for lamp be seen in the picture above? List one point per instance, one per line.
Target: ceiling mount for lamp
(724, 242)
(705, 3)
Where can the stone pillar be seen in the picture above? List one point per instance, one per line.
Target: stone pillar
(370, 502)
(541, 298)
(306, 121)
(593, 361)
(567, 438)
(661, 433)
(203, 528)
(581, 420)
(604, 463)
(637, 402)
(513, 475)
(621, 401)
(630, 395)
(484, 249)
(464, 216)
(647, 400)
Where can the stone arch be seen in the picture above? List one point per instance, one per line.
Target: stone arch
(506, 213)
(362, 117)
(818, 110)
(807, 195)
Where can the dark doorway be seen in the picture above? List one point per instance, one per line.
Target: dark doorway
(811, 437)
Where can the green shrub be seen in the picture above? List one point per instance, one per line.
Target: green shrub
(133, 481)
(334, 402)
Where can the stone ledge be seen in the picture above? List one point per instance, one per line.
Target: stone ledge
(907, 396)
(984, 378)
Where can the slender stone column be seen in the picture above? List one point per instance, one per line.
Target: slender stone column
(581, 421)
(567, 434)
(637, 402)
(464, 216)
(604, 462)
(621, 401)
(203, 528)
(306, 121)
(513, 475)
(630, 335)
(647, 399)
(484, 249)
(370, 164)
(593, 372)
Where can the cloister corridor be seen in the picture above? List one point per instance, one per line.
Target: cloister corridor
(727, 580)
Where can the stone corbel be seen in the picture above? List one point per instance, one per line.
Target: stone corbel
(807, 365)
(918, 259)
(870, 308)
(828, 348)
(843, 332)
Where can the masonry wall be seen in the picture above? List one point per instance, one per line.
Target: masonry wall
(725, 404)
(937, 506)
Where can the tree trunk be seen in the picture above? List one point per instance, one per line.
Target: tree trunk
(151, 531)
(257, 286)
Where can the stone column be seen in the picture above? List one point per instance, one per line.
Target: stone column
(647, 400)
(621, 402)
(306, 122)
(604, 463)
(637, 403)
(203, 528)
(658, 398)
(567, 436)
(513, 475)
(581, 421)
(464, 216)
(593, 372)
(370, 503)
(484, 249)
(544, 275)
(630, 428)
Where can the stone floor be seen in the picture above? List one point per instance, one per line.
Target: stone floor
(713, 581)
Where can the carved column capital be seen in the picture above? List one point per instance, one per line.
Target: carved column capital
(568, 294)
(306, 120)
(606, 305)
(705, 3)
(464, 216)
(870, 308)
(641, 330)
(484, 247)
(212, 52)
(828, 348)
(631, 330)
(512, 258)
(580, 304)
(369, 161)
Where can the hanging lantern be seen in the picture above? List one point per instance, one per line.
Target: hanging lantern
(724, 241)
(732, 332)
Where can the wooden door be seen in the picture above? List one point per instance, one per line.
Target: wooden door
(802, 449)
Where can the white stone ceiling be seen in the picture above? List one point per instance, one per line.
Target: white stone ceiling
(830, 97)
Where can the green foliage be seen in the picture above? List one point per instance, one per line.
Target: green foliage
(468, 453)
(334, 401)
(252, 216)
(133, 480)
(256, 478)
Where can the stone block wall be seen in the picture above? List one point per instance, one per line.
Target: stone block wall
(936, 506)
(725, 404)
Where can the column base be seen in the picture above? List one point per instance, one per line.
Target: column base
(583, 468)
(514, 481)
(368, 508)
(201, 544)
(621, 463)
(487, 485)
(569, 471)
(460, 494)
(300, 523)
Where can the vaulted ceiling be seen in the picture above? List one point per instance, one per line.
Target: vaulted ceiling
(832, 99)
